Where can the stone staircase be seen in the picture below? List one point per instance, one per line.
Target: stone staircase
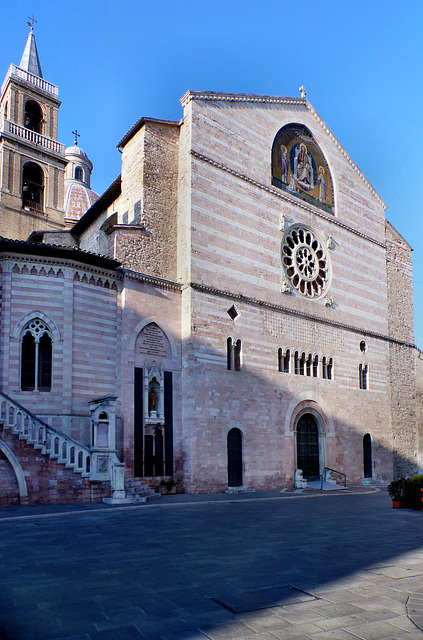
(49, 441)
(137, 492)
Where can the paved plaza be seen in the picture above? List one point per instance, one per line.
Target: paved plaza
(261, 566)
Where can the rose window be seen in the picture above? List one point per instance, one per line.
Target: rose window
(305, 262)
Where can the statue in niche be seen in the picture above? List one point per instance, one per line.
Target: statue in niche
(153, 394)
(152, 400)
(322, 184)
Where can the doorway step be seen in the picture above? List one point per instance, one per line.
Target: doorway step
(138, 492)
(239, 490)
(326, 486)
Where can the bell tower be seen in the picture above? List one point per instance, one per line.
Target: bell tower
(32, 161)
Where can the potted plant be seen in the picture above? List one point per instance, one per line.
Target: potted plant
(399, 492)
(167, 485)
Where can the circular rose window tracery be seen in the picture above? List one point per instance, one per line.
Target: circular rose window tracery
(305, 262)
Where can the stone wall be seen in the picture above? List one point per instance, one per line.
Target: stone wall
(149, 202)
(404, 407)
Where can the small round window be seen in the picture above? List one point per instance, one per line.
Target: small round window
(305, 262)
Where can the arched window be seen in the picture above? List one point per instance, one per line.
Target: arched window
(302, 364)
(33, 116)
(287, 361)
(79, 174)
(284, 360)
(296, 363)
(330, 368)
(233, 354)
(324, 368)
(280, 360)
(229, 353)
(237, 355)
(36, 357)
(362, 375)
(309, 364)
(315, 366)
(32, 187)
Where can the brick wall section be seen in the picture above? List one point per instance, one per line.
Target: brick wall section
(404, 409)
(48, 481)
(9, 492)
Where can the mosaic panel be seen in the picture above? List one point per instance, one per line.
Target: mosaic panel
(299, 166)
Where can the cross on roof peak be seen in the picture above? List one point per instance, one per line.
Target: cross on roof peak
(77, 135)
(31, 22)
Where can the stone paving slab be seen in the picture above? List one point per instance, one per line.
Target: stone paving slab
(336, 566)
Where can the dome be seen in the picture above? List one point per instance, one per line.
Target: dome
(78, 193)
(75, 151)
(78, 199)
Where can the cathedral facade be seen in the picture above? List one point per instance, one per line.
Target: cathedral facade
(233, 308)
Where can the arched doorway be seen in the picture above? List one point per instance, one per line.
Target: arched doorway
(308, 446)
(234, 458)
(367, 456)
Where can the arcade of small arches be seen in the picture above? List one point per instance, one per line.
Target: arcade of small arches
(305, 364)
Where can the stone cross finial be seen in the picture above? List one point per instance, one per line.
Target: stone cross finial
(31, 22)
(77, 135)
(303, 91)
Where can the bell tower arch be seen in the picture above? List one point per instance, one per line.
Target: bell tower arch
(32, 159)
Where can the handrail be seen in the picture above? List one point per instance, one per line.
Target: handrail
(51, 441)
(314, 474)
(29, 77)
(12, 128)
(335, 471)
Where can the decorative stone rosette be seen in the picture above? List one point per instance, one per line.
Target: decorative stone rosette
(305, 262)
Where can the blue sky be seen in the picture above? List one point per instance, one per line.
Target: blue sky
(360, 62)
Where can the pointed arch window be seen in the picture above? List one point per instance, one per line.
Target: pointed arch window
(32, 187)
(36, 357)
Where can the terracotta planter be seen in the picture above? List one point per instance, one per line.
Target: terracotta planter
(400, 504)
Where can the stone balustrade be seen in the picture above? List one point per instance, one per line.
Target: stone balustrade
(29, 77)
(33, 137)
(46, 439)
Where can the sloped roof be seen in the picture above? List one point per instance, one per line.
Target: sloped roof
(30, 61)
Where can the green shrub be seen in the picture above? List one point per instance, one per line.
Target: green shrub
(417, 478)
(399, 489)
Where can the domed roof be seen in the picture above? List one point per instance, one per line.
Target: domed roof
(75, 151)
(78, 199)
